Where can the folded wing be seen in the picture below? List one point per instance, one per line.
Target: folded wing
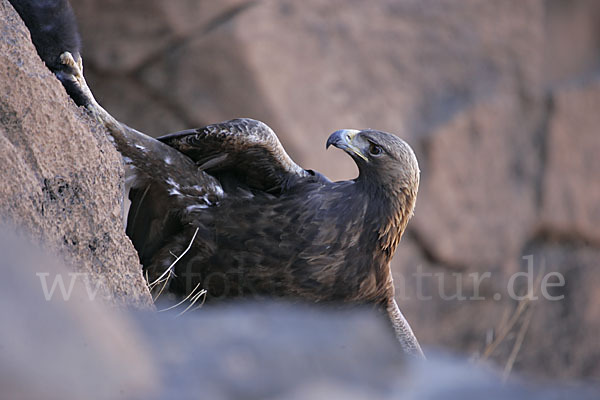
(245, 149)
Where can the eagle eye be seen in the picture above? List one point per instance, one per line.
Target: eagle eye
(375, 150)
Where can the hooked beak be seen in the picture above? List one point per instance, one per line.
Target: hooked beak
(343, 139)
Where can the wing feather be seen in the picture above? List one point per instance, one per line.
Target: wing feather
(245, 147)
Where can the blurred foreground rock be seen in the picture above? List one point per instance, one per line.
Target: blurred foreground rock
(59, 340)
(61, 179)
(71, 347)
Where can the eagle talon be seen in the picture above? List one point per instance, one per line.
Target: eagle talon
(73, 80)
(76, 66)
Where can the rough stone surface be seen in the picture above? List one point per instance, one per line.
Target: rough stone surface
(499, 99)
(149, 27)
(571, 189)
(227, 84)
(477, 202)
(572, 40)
(61, 179)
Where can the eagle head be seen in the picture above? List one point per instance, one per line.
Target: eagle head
(382, 158)
(388, 176)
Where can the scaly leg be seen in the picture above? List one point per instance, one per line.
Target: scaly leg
(137, 148)
(403, 331)
(125, 137)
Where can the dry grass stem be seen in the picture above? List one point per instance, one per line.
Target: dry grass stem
(507, 325)
(166, 275)
(518, 343)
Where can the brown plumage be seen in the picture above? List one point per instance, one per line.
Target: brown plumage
(273, 228)
(262, 225)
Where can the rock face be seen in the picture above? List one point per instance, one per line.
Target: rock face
(570, 197)
(61, 179)
(499, 99)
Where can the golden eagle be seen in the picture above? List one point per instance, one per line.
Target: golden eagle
(251, 222)
(237, 214)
